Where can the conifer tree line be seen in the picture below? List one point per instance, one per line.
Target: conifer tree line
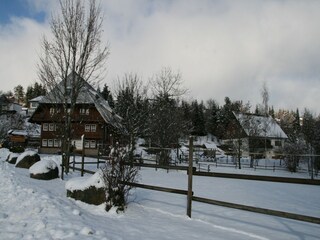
(157, 110)
(23, 97)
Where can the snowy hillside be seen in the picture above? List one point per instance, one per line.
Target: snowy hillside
(35, 209)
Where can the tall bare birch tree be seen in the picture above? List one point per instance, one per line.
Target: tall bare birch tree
(72, 56)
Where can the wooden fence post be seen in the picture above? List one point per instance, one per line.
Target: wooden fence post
(74, 161)
(82, 161)
(98, 158)
(190, 172)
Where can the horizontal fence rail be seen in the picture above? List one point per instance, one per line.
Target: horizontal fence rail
(157, 188)
(259, 210)
(258, 178)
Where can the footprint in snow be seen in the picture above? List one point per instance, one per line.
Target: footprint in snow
(3, 216)
(76, 212)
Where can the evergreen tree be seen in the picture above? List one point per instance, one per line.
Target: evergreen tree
(308, 127)
(19, 94)
(211, 117)
(34, 91)
(186, 114)
(198, 121)
(106, 94)
(296, 123)
(131, 105)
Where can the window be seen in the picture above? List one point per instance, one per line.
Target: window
(52, 111)
(45, 127)
(93, 127)
(44, 142)
(56, 143)
(51, 127)
(92, 144)
(86, 144)
(278, 143)
(50, 143)
(84, 111)
(68, 90)
(34, 104)
(90, 128)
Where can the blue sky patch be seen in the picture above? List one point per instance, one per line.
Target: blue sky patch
(18, 8)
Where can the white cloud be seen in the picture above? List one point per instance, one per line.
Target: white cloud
(19, 47)
(222, 48)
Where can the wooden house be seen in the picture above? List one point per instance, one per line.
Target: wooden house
(33, 104)
(258, 135)
(8, 106)
(92, 118)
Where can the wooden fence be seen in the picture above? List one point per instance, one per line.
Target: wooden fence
(190, 194)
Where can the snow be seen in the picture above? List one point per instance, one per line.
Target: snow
(262, 126)
(82, 183)
(33, 209)
(18, 132)
(4, 153)
(43, 166)
(24, 154)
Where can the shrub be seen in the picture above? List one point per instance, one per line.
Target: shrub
(116, 173)
(17, 149)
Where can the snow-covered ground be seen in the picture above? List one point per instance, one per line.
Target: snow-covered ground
(35, 209)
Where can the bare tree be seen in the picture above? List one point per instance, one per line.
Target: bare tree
(265, 99)
(265, 102)
(166, 123)
(167, 83)
(72, 57)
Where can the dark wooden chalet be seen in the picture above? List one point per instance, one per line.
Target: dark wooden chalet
(259, 135)
(92, 118)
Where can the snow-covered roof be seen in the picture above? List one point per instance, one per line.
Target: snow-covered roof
(18, 132)
(87, 95)
(36, 99)
(259, 126)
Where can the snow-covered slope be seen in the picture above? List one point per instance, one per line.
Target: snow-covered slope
(35, 209)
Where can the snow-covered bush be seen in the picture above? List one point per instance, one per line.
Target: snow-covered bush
(116, 173)
(293, 151)
(91, 190)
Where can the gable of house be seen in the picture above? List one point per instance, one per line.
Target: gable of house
(87, 96)
(92, 117)
(258, 126)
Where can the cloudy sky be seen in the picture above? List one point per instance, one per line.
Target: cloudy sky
(220, 47)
